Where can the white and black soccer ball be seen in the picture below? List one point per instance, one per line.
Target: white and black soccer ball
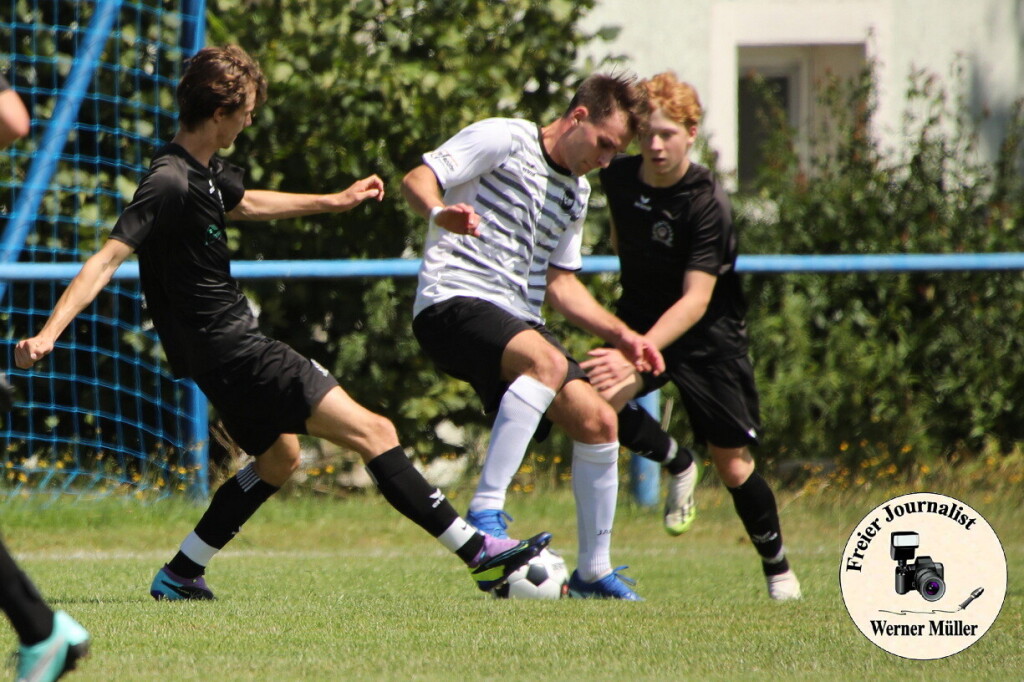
(543, 577)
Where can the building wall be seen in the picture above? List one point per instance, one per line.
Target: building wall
(704, 41)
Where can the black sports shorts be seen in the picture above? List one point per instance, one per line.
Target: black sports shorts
(267, 392)
(466, 337)
(720, 398)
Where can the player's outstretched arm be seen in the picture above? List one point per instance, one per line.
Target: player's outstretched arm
(567, 295)
(261, 204)
(83, 290)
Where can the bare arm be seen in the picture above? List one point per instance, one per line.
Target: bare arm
(260, 204)
(567, 295)
(687, 311)
(420, 189)
(87, 284)
(608, 367)
(14, 119)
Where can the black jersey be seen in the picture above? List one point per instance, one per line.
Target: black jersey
(663, 232)
(175, 223)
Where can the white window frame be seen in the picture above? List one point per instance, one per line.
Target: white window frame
(749, 23)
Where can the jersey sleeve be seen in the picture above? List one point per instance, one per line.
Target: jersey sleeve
(160, 197)
(471, 152)
(713, 221)
(230, 181)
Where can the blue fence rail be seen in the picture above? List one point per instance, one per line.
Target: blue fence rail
(403, 267)
(645, 474)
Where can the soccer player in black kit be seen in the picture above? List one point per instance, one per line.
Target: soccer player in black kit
(673, 231)
(264, 391)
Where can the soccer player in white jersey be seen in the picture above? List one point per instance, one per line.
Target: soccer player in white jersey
(506, 200)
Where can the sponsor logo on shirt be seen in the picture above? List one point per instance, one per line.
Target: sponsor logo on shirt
(444, 159)
(643, 203)
(661, 232)
(320, 368)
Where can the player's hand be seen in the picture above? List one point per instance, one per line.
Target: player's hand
(607, 367)
(371, 187)
(459, 219)
(639, 350)
(30, 351)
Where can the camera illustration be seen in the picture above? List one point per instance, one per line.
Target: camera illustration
(923, 575)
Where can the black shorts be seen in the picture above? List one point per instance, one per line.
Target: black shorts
(269, 391)
(720, 398)
(466, 337)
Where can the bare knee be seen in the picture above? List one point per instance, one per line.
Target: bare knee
(548, 366)
(734, 465)
(600, 425)
(276, 465)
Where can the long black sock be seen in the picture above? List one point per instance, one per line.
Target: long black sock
(232, 505)
(28, 612)
(641, 433)
(755, 505)
(407, 491)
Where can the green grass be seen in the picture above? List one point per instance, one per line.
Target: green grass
(326, 589)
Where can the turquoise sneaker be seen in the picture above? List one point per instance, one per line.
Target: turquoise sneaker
(55, 655)
(172, 587)
(612, 586)
(493, 522)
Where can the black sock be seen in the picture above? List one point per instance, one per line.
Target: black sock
(28, 612)
(407, 491)
(232, 505)
(641, 433)
(755, 505)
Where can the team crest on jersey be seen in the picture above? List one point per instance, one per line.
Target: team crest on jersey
(643, 203)
(214, 234)
(661, 232)
(569, 204)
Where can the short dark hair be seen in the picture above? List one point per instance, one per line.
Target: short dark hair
(604, 94)
(217, 77)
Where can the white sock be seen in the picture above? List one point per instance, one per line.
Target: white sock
(595, 483)
(197, 550)
(457, 534)
(522, 406)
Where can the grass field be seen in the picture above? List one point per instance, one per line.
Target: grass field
(325, 589)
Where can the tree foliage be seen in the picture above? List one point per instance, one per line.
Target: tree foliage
(888, 368)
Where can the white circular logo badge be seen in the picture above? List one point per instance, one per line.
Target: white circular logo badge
(923, 576)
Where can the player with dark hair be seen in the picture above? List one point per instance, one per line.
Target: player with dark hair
(49, 643)
(504, 238)
(672, 228)
(264, 391)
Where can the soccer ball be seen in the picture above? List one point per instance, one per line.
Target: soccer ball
(544, 577)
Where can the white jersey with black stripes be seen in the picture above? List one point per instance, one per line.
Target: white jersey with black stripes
(531, 217)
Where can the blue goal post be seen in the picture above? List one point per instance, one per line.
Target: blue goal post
(103, 414)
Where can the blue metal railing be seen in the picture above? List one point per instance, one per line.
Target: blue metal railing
(645, 474)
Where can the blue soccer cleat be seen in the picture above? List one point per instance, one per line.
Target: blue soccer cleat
(500, 558)
(55, 655)
(612, 586)
(172, 587)
(493, 522)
